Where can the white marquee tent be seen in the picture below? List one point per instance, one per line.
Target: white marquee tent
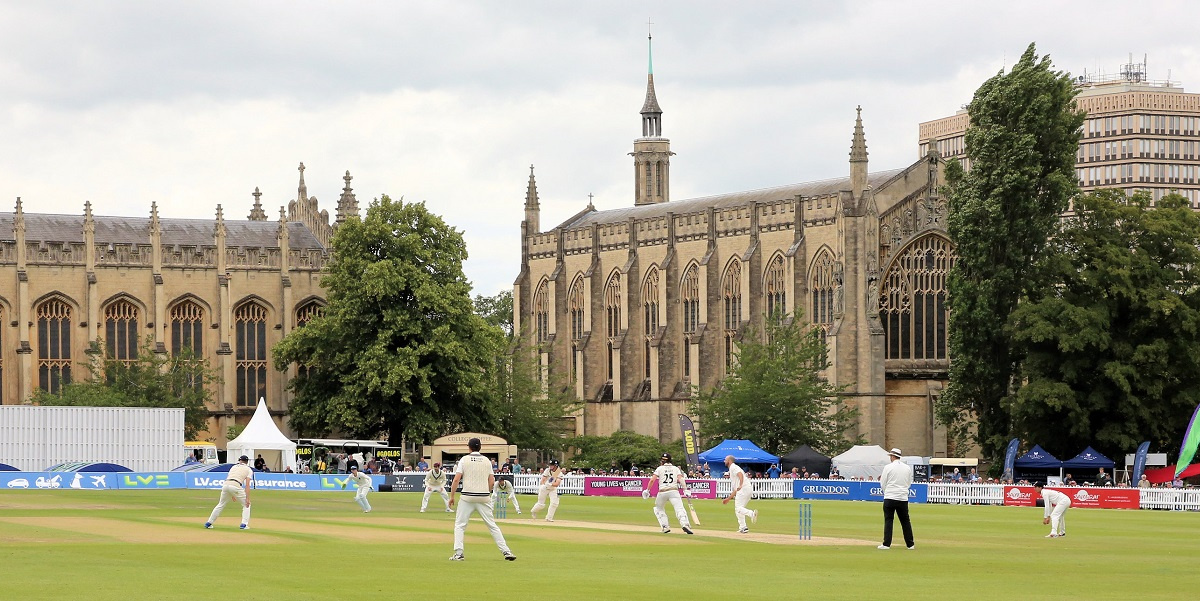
(862, 461)
(260, 435)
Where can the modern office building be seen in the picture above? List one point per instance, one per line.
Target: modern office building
(1140, 134)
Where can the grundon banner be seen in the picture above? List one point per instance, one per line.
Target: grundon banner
(851, 490)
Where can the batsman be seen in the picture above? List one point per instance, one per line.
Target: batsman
(670, 481)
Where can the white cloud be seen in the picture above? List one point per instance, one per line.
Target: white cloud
(191, 104)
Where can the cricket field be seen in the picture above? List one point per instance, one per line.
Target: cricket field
(151, 545)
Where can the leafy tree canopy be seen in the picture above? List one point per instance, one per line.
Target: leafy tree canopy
(152, 380)
(1110, 348)
(497, 311)
(399, 349)
(528, 402)
(624, 449)
(775, 396)
(1022, 141)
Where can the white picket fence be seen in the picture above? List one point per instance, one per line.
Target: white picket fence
(966, 494)
(1183, 499)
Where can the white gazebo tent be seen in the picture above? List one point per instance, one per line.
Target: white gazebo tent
(862, 461)
(262, 435)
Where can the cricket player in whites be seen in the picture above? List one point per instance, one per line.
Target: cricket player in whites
(435, 480)
(552, 476)
(504, 487)
(237, 485)
(1055, 515)
(474, 472)
(670, 481)
(363, 483)
(742, 491)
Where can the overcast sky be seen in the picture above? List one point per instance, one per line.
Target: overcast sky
(193, 104)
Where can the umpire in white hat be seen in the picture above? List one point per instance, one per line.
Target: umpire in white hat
(895, 481)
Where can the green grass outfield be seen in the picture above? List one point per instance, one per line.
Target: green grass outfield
(150, 545)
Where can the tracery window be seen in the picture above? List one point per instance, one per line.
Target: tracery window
(776, 288)
(541, 312)
(690, 295)
(121, 331)
(822, 287)
(576, 305)
(187, 336)
(650, 304)
(912, 303)
(54, 345)
(731, 297)
(250, 322)
(612, 306)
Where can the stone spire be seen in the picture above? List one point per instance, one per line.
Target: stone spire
(651, 152)
(858, 157)
(347, 206)
(651, 112)
(257, 213)
(532, 208)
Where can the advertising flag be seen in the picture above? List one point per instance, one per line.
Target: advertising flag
(1191, 440)
(691, 444)
(1010, 456)
(1139, 461)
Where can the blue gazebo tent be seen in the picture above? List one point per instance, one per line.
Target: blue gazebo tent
(1089, 459)
(744, 452)
(1038, 458)
(4, 467)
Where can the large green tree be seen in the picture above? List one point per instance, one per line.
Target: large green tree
(1111, 351)
(151, 380)
(497, 310)
(399, 349)
(774, 394)
(624, 449)
(1021, 144)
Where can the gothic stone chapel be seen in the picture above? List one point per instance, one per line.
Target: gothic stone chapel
(636, 306)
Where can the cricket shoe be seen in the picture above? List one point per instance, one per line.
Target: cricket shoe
(549, 519)
(208, 525)
(912, 548)
(1052, 535)
(687, 530)
(518, 512)
(666, 530)
(458, 556)
(754, 516)
(243, 526)
(422, 511)
(743, 531)
(883, 547)
(448, 510)
(508, 556)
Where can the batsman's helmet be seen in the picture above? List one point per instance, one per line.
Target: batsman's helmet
(666, 458)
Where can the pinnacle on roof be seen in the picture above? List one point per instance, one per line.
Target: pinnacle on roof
(858, 146)
(531, 196)
(257, 213)
(651, 104)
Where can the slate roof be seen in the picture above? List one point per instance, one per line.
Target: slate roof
(41, 227)
(724, 201)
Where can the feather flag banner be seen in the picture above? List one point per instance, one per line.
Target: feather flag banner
(1191, 440)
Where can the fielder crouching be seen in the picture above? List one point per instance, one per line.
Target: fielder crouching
(237, 486)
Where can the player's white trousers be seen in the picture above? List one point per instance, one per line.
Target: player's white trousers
(740, 501)
(676, 501)
(483, 505)
(545, 492)
(231, 490)
(430, 491)
(360, 497)
(1058, 517)
(512, 498)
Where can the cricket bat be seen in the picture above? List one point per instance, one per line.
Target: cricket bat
(692, 512)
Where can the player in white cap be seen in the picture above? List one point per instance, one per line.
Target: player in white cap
(895, 481)
(741, 494)
(237, 485)
(363, 483)
(1055, 514)
(670, 481)
(551, 478)
(435, 481)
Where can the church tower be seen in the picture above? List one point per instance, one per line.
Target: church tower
(651, 152)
